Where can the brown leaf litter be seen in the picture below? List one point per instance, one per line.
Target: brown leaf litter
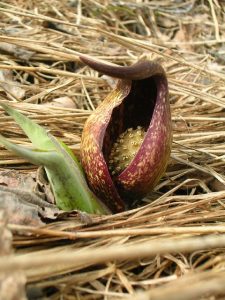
(162, 249)
(12, 283)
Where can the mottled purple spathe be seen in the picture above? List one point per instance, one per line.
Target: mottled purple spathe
(150, 162)
(140, 102)
(92, 157)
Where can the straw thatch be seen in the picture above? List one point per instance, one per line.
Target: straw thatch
(169, 248)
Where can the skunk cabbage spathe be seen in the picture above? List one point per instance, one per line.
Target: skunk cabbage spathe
(126, 142)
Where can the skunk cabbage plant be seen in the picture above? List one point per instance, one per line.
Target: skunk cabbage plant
(63, 170)
(126, 142)
(125, 146)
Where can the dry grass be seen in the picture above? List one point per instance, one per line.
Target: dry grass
(170, 248)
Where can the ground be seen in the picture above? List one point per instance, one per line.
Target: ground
(173, 243)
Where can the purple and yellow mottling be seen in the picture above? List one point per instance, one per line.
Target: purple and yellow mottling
(93, 161)
(150, 162)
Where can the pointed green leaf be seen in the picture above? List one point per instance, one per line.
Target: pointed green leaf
(64, 172)
(34, 156)
(37, 134)
(70, 190)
